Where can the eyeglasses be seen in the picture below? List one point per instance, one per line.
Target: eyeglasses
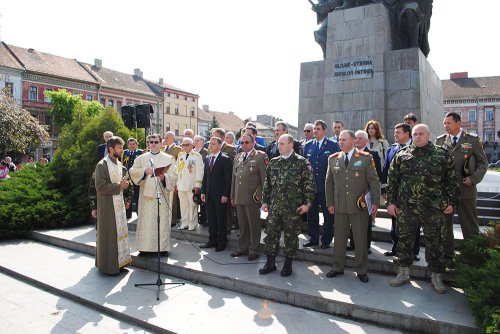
(186, 144)
(154, 142)
(246, 142)
(307, 130)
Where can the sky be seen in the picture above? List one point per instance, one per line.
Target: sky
(237, 56)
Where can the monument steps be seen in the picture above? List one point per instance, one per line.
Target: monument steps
(414, 307)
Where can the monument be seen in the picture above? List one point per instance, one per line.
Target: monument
(374, 66)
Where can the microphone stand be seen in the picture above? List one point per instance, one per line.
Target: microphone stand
(158, 282)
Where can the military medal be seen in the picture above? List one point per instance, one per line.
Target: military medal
(357, 174)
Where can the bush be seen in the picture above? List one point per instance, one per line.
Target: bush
(477, 271)
(28, 203)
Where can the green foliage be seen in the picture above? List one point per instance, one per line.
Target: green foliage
(19, 130)
(477, 271)
(64, 106)
(28, 202)
(213, 124)
(76, 157)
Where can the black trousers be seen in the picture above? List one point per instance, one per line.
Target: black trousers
(216, 214)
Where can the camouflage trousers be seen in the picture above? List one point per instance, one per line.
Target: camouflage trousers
(290, 223)
(433, 223)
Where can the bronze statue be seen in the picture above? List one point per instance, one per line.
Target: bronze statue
(322, 8)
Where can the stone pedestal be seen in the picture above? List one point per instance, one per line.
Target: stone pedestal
(362, 78)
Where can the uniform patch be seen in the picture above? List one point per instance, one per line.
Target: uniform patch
(358, 164)
(466, 145)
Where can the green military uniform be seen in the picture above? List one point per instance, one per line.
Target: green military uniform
(468, 147)
(249, 175)
(289, 184)
(343, 186)
(422, 183)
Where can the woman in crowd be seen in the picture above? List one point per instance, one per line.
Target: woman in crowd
(378, 142)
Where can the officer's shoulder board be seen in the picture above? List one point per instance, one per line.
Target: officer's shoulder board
(472, 134)
(261, 153)
(364, 153)
(442, 136)
(334, 155)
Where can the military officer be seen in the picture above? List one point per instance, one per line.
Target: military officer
(421, 189)
(317, 152)
(249, 174)
(190, 169)
(351, 173)
(464, 147)
(280, 128)
(171, 148)
(127, 159)
(288, 193)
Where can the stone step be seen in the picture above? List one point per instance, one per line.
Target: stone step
(413, 307)
(190, 308)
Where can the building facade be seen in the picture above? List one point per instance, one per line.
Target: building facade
(477, 100)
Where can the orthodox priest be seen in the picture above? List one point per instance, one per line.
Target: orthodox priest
(112, 246)
(141, 174)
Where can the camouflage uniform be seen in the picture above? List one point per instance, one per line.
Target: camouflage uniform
(289, 184)
(422, 183)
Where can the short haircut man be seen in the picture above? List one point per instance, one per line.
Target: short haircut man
(283, 125)
(113, 141)
(410, 119)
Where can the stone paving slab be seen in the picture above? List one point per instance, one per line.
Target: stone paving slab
(412, 307)
(192, 308)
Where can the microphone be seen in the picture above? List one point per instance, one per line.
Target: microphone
(152, 163)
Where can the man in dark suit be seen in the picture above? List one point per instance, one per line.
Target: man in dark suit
(199, 146)
(317, 152)
(102, 150)
(281, 128)
(402, 135)
(361, 143)
(215, 192)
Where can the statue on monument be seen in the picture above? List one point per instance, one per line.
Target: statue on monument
(410, 21)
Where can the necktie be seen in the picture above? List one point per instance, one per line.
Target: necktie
(212, 159)
(245, 157)
(317, 146)
(346, 160)
(187, 156)
(454, 141)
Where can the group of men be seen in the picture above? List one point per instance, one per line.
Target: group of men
(338, 176)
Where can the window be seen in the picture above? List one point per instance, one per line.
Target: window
(46, 98)
(177, 109)
(176, 129)
(167, 126)
(9, 88)
(111, 103)
(192, 112)
(185, 110)
(102, 101)
(119, 105)
(472, 116)
(489, 135)
(488, 115)
(168, 108)
(89, 97)
(33, 93)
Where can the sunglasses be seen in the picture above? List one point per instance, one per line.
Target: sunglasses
(307, 130)
(246, 142)
(154, 142)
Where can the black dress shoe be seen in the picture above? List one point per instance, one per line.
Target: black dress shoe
(363, 278)
(164, 254)
(416, 257)
(207, 245)
(325, 246)
(390, 254)
(220, 248)
(310, 243)
(333, 273)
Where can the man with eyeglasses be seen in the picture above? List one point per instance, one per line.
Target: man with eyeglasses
(190, 170)
(141, 174)
(249, 174)
(308, 133)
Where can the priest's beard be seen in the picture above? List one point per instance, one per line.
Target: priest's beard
(116, 155)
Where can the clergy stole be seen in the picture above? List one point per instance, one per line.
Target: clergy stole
(115, 174)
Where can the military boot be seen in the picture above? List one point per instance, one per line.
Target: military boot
(437, 283)
(287, 267)
(402, 277)
(269, 266)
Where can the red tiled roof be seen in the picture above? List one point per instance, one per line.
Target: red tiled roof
(7, 59)
(120, 81)
(227, 121)
(204, 116)
(45, 63)
(471, 88)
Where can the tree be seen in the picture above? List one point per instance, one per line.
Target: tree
(212, 125)
(20, 131)
(64, 105)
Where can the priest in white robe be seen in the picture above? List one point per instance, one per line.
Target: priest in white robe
(141, 174)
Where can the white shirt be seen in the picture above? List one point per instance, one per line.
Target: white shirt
(458, 136)
(350, 153)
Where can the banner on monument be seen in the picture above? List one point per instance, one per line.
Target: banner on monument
(353, 68)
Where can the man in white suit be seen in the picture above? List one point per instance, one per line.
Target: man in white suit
(190, 170)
